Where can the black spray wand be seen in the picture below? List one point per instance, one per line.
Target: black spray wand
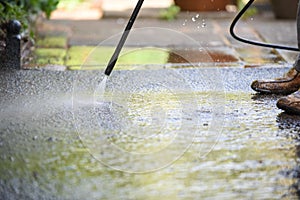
(125, 34)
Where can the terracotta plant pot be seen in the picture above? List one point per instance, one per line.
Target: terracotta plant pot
(285, 9)
(202, 5)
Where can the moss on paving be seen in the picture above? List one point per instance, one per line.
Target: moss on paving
(46, 56)
(52, 42)
(88, 57)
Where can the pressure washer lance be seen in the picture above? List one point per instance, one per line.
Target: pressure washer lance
(238, 17)
(125, 34)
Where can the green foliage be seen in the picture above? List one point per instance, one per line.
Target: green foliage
(11, 11)
(250, 12)
(69, 4)
(30, 6)
(23, 10)
(170, 13)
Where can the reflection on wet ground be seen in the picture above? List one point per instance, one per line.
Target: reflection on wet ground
(201, 56)
(97, 57)
(90, 57)
(202, 133)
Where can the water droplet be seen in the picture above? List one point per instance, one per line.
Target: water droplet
(251, 18)
(203, 24)
(193, 19)
(184, 23)
(197, 16)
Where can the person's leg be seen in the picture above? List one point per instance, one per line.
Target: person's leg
(290, 82)
(291, 103)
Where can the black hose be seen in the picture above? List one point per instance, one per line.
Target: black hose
(238, 17)
(125, 34)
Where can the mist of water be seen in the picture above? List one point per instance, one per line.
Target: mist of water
(100, 90)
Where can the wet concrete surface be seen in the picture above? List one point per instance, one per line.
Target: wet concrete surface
(161, 130)
(183, 133)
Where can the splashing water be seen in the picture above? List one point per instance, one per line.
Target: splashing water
(100, 90)
(203, 23)
(194, 19)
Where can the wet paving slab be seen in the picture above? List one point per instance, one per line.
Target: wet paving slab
(266, 30)
(91, 57)
(259, 56)
(93, 32)
(166, 133)
(180, 38)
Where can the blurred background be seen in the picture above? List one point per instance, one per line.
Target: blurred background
(96, 9)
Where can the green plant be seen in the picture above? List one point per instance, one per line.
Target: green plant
(35, 6)
(11, 11)
(23, 10)
(170, 13)
(69, 5)
(250, 12)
